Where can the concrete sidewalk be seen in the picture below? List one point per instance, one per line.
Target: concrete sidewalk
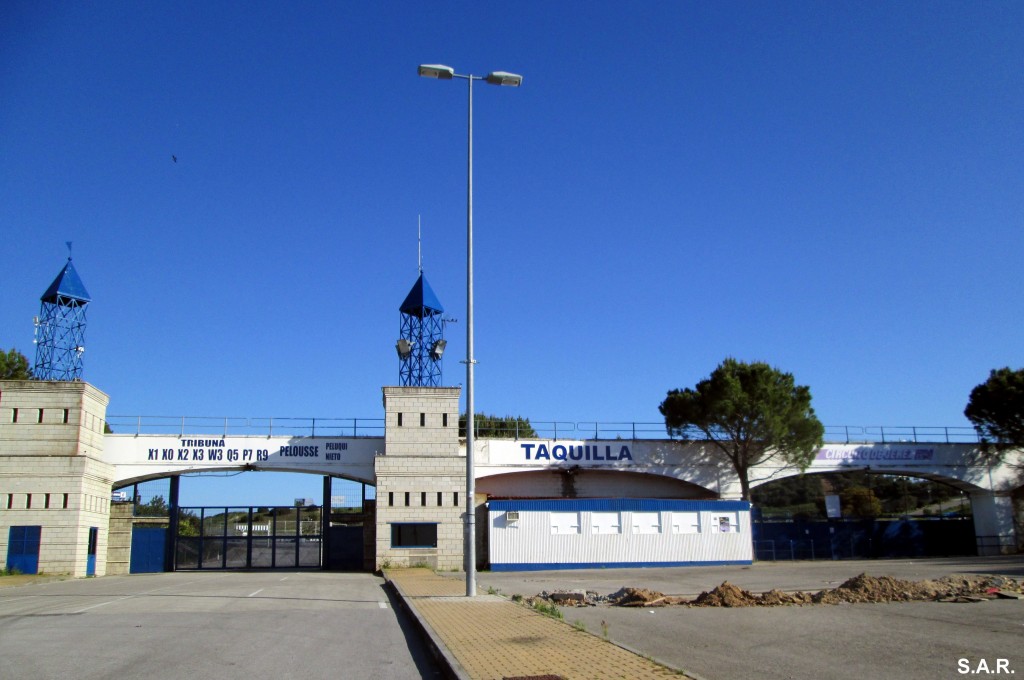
(491, 638)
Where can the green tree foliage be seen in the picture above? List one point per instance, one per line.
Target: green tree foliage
(155, 507)
(188, 523)
(996, 409)
(511, 427)
(14, 366)
(750, 414)
(859, 501)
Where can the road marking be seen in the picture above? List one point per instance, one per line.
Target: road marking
(285, 578)
(382, 605)
(255, 593)
(128, 597)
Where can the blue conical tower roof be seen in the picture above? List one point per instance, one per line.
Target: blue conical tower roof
(67, 285)
(421, 300)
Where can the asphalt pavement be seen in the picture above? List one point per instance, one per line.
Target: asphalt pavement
(226, 625)
(902, 641)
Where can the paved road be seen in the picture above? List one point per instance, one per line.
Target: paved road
(905, 641)
(227, 625)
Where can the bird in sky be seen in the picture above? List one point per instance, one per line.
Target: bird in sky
(174, 158)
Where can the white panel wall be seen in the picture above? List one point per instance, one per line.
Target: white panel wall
(532, 541)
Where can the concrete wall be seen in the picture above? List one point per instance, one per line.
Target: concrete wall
(421, 476)
(52, 473)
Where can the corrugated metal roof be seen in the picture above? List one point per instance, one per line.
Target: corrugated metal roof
(67, 284)
(421, 300)
(611, 504)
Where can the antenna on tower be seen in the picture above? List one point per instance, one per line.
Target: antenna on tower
(419, 242)
(68, 243)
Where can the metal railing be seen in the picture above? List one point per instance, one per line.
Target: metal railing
(226, 425)
(544, 429)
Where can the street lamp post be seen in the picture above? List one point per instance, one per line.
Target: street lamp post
(442, 72)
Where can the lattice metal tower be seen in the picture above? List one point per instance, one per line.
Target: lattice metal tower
(60, 327)
(421, 340)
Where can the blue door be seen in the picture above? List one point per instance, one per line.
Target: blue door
(23, 549)
(90, 564)
(148, 547)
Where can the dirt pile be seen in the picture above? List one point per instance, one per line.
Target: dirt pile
(641, 597)
(728, 595)
(859, 589)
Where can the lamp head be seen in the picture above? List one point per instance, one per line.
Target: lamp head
(439, 71)
(504, 78)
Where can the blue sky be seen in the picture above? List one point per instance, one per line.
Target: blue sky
(834, 188)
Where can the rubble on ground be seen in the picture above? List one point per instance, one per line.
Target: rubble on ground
(859, 589)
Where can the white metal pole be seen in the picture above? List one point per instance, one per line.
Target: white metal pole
(470, 542)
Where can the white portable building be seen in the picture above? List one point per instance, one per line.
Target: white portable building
(530, 535)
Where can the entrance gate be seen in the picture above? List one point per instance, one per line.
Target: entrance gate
(247, 538)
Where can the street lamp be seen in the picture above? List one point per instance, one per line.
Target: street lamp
(442, 72)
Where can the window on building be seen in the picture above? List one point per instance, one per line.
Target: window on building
(406, 499)
(423, 420)
(39, 416)
(399, 419)
(423, 499)
(646, 522)
(65, 505)
(685, 523)
(565, 522)
(14, 415)
(440, 499)
(444, 419)
(391, 498)
(605, 523)
(66, 414)
(410, 535)
(725, 523)
(455, 501)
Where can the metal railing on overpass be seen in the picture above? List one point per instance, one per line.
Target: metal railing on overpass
(228, 425)
(545, 429)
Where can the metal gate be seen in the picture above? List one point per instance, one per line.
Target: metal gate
(148, 549)
(247, 538)
(23, 549)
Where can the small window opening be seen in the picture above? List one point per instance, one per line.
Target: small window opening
(440, 499)
(65, 501)
(456, 501)
(391, 498)
(423, 420)
(66, 414)
(39, 416)
(399, 419)
(423, 499)
(406, 499)
(444, 419)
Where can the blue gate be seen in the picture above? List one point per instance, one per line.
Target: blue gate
(149, 545)
(23, 549)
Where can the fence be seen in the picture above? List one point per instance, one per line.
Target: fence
(864, 539)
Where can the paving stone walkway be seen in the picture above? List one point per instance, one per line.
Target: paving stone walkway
(488, 637)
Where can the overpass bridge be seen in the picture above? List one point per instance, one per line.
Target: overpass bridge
(569, 462)
(58, 466)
